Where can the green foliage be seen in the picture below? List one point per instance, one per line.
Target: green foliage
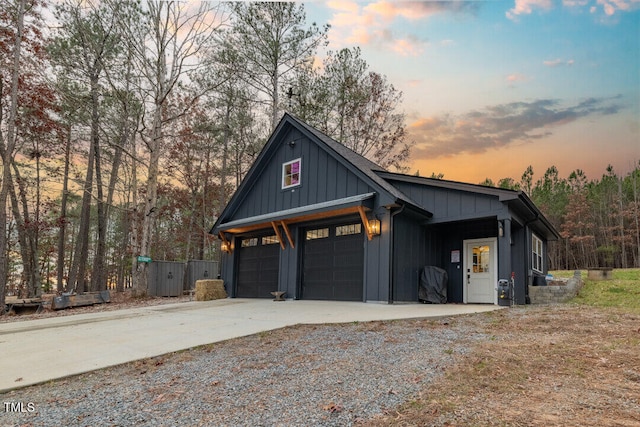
(622, 292)
(273, 40)
(597, 219)
(355, 106)
(488, 182)
(509, 184)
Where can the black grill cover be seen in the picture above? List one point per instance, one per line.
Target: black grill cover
(433, 285)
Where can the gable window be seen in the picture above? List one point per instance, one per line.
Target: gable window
(291, 173)
(537, 253)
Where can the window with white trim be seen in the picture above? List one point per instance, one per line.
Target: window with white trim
(537, 253)
(291, 172)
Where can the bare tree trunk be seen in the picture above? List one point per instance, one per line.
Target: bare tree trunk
(151, 200)
(113, 179)
(22, 238)
(98, 277)
(275, 97)
(225, 154)
(135, 223)
(205, 190)
(27, 235)
(178, 34)
(7, 152)
(63, 212)
(192, 221)
(623, 243)
(80, 255)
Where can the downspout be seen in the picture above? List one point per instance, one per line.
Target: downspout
(391, 237)
(527, 255)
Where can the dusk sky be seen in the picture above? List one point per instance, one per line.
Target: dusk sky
(491, 87)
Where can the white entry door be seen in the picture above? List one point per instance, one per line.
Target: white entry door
(480, 271)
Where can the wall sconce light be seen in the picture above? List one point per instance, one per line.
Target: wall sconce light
(374, 227)
(292, 144)
(500, 229)
(225, 247)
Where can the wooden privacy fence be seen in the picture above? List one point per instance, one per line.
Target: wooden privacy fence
(171, 279)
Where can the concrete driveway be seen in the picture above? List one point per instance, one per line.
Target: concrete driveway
(37, 351)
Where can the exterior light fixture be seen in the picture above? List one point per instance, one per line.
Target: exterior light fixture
(500, 229)
(374, 227)
(225, 247)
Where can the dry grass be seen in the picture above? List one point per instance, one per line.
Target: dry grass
(556, 365)
(572, 365)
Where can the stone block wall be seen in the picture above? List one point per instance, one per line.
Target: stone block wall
(556, 291)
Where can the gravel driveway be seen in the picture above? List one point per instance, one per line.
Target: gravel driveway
(320, 375)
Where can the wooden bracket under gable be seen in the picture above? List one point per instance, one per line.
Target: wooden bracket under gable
(288, 233)
(365, 222)
(277, 230)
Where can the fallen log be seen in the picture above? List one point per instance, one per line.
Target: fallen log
(79, 300)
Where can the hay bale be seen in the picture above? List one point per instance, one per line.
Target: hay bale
(207, 290)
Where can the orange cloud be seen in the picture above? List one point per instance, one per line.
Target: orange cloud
(500, 125)
(370, 24)
(407, 10)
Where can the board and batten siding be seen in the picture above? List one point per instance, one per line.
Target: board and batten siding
(377, 258)
(449, 205)
(323, 178)
(409, 256)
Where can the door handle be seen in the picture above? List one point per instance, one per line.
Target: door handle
(468, 279)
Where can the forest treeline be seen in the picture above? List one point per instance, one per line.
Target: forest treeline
(126, 125)
(598, 219)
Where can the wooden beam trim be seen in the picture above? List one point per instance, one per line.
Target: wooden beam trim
(223, 238)
(303, 218)
(365, 222)
(288, 233)
(277, 230)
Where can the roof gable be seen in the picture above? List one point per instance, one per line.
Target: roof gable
(518, 201)
(329, 171)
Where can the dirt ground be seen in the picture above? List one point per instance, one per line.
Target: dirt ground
(566, 365)
(557, 365)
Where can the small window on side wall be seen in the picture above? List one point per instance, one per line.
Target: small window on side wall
(536, 253)
(291, 173)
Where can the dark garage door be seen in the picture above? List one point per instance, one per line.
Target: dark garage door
(333, 262)
(258, 267)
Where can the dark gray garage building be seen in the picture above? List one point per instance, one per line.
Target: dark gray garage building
(318, 221)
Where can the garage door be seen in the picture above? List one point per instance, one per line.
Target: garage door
(258, 267)
(333, 261)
